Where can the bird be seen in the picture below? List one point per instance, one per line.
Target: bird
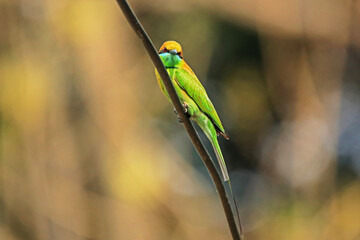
(196, 103)
(193, 97)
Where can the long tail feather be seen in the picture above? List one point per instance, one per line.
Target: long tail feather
(220, 158)
(225, 174)
(236, 209)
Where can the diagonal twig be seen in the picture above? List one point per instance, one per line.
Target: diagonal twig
(139, 30)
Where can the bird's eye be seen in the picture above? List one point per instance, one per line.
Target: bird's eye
(165, 49)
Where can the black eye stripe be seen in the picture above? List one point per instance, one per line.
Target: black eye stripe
(164, 50)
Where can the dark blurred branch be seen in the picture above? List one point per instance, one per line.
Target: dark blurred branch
(139, 30)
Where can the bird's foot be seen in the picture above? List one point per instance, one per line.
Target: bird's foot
(180, 120)
(185, 106)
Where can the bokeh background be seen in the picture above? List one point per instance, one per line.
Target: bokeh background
(91, 149)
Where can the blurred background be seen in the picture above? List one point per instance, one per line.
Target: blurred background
(91, 149)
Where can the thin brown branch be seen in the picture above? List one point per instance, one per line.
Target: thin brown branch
(139, 30)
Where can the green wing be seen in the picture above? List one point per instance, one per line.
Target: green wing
(188, 81)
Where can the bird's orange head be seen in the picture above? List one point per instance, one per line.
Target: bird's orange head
(171, 47)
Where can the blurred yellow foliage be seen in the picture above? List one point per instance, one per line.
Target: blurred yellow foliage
(23, 91)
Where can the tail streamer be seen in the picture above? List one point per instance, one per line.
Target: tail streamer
(236, 209)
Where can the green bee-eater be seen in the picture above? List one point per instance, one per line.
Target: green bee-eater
(193, 96)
